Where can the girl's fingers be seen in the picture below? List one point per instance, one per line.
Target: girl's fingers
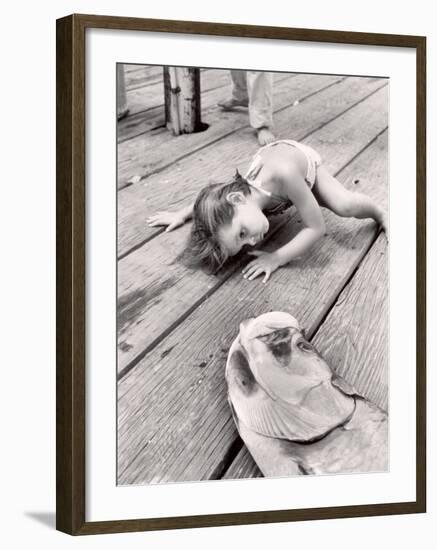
(173, 226)
(249, 271)
(255, 274)
(267, 276)
(249, 267)
(157, 217)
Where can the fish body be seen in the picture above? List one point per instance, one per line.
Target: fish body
(293, 413)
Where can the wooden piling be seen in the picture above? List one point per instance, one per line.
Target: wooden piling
(182, 99)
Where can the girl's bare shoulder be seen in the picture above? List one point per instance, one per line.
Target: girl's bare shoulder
(281, 170)
(282, 160)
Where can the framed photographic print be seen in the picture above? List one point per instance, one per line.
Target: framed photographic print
(240, 274)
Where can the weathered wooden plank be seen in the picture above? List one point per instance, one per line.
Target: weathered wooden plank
(182, 103)
(155, 290)
(154, 295)
(173, 414)
(210, 79)
(129, 68)
(243, 467)
(141, 100)
(185, 177)
(146, 104)
(353, 339)
(151, 151)
(142, 75)
(140, 67)
(173, 418)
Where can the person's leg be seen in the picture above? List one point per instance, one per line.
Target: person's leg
(239, 95)
(260, 89)
(330, 193)
(122, 108)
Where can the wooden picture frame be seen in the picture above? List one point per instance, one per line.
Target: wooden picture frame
(71, 273)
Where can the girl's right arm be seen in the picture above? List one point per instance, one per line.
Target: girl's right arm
(171, 219)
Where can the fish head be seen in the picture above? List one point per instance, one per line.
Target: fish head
(279, 385)
(277, 351)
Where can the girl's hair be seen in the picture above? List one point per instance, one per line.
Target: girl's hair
(211, 212)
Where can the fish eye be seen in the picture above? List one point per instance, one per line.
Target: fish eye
(242, 234)
(303, 345)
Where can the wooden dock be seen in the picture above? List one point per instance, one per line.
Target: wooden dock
(175, 326)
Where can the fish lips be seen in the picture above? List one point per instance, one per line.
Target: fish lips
(274, 330)
(267, 323)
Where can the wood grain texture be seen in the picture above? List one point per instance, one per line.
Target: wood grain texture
(155, 290)
(248, 31)
(173, 403)
(146, 105)
(243, 467)
(421, 397)
(141, 76)
(187, 176)
(155, 296)
(70, 276)
(354, 337)
(64, 450)
(248, 518)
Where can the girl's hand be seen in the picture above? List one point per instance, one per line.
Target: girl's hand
(265, 262)
(170, 219)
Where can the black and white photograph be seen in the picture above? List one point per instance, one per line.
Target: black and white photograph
(218, 275)
(252, 274)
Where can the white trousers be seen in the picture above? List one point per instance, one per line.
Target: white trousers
(121, 90)
(256, 87)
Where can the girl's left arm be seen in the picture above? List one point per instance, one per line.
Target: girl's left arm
(314, 228)
(312, 218)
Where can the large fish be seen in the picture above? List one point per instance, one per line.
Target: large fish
(293, 413)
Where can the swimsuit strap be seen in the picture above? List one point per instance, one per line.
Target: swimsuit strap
(259, 188)
(283, 203)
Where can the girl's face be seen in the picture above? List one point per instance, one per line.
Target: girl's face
(248, 226)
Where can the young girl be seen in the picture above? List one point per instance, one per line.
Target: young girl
(227, 216)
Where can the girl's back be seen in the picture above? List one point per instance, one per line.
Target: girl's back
(280, 159)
